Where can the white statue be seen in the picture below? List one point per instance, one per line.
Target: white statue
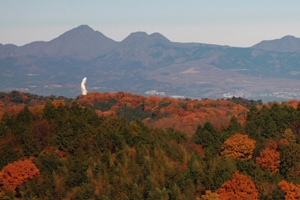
(83, 89)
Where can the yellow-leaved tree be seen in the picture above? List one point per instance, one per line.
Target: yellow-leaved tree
(238, 146)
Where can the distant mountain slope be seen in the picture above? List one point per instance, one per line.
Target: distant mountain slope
(150, 62)
(81, 43)
(286, 44)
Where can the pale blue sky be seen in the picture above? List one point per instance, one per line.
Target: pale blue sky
(240, 23)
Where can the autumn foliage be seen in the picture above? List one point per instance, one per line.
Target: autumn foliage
(126, 146)
(239, 187)
(238, 146)
(209, 195)
(14, 174)
(291, 190)
(181, 114)
(269, 159)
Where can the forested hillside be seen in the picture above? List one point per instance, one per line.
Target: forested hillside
(181, 114)
(125, 146)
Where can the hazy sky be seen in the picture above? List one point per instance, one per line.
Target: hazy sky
(240, 23)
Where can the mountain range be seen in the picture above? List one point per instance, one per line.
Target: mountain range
(153, 65)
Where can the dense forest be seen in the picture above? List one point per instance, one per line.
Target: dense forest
(126, 146)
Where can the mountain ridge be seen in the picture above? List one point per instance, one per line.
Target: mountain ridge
(82, 42)
(90, 39)
(287, 43)
(142, 62)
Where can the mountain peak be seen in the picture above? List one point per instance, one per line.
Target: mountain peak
(83, 26)
(80, 31)
(80, 42)
(83, 29)
(159, 38)
(139, 34)
(137, 39)
(136, 35)
(143, 37)
(287, 43)
(288, 37)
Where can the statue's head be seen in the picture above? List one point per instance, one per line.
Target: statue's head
(84, 80)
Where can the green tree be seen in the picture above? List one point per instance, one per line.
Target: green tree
(49, 111)
(290, 157)
(23, 129)
(5, 124)
(209, 138)
(223, 172)
(289, 136)
(234, 126)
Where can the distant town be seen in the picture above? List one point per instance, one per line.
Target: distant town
(265, 96)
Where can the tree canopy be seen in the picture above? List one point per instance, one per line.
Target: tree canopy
(126, 146)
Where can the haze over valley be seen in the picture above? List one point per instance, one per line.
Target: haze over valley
(151, 64)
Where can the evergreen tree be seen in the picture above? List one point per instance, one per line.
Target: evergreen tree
(23, 129)
(209, 138)
(234, 126)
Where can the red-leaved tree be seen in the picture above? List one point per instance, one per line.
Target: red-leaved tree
(239, 187)
(291, 190)
(16, 173)
(269, 159)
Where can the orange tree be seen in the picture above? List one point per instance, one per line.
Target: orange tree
(290, 190)
(269, 159)
(239, 187)
(238, 146)
(14, 174)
